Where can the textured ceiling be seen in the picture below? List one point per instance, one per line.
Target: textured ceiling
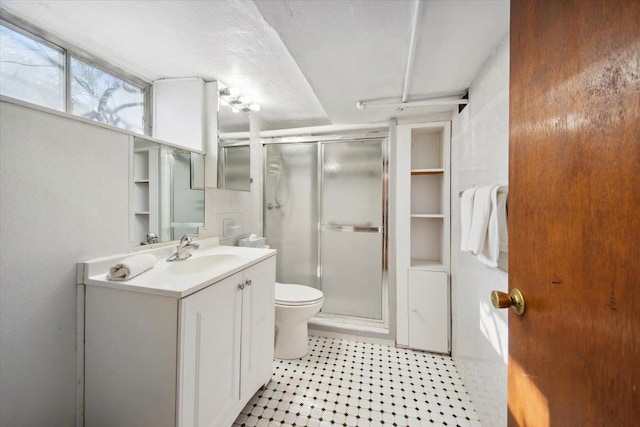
(305, 62)
(357, 50)
(216, 40)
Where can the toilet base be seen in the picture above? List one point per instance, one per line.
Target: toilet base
(292, 340)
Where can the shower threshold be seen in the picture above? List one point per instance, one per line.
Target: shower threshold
(349, 325)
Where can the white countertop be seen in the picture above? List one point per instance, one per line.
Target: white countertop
(209, 264)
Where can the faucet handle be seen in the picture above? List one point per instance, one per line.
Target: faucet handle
(187, 238)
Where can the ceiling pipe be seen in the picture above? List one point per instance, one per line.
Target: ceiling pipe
(306, 130)
(412, 49)
(233, 135)
(361, 105)
(322, 129)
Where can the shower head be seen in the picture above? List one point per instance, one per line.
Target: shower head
(274, 166)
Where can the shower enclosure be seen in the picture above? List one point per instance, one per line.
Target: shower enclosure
(325, 212)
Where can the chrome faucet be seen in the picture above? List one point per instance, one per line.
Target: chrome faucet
(183, 251)
(150, 238)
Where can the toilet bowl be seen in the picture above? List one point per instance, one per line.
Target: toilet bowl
(295, 305)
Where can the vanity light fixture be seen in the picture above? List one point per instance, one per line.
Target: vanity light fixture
(228, 92)
(236, 101)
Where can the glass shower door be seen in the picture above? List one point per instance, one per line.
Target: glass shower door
(351, 228)
(291, 210)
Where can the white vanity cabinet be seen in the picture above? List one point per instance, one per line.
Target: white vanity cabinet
(156, 360)
(226, 346)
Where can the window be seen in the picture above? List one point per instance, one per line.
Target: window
(33, 70)
(100, 96)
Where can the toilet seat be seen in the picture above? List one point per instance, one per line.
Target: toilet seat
(297, 295)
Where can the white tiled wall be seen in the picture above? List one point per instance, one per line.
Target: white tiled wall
(480, 150)
(229, 204)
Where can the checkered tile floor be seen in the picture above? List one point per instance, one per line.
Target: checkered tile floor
(347, 383)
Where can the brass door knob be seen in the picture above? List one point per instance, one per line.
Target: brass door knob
(513, 299)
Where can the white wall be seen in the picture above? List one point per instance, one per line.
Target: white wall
(64, 198)
(480, 150)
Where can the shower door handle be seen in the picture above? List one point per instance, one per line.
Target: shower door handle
(366, 228)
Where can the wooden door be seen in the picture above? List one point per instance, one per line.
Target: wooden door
(574, 213)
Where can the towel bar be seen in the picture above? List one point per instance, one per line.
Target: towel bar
(502, 189)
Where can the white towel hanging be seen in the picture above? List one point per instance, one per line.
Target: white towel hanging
(466, 213)
(503, 231)
(490, 249)
(480, 219)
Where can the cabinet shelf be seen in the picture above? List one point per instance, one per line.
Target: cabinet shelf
(427, 264)
(436, 216)
(145, 189)
(436, 171)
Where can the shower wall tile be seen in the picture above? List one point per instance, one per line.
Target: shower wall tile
(223, 204)
(480, 150)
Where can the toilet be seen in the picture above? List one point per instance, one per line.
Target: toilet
(295, 305)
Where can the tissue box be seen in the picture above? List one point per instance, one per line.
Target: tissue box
(257, 242)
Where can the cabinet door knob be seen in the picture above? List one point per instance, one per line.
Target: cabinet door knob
(247, 282)
(241, 286)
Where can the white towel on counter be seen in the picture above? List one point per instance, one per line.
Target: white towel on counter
(131, 266)
(490, 249)
(466, 213)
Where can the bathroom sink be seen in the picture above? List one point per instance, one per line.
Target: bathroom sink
(209, 264)
(199, 264)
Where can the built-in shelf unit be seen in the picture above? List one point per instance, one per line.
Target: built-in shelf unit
(423, 235)
(145, 192)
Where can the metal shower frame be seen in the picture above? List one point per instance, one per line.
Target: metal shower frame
(338, 319)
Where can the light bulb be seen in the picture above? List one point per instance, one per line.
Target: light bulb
(254, 107)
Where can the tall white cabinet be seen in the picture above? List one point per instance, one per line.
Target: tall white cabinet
(423, 235)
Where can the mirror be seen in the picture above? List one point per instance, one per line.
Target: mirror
(234, 165)
(197, 171)
(234, 171)
(168, 192)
